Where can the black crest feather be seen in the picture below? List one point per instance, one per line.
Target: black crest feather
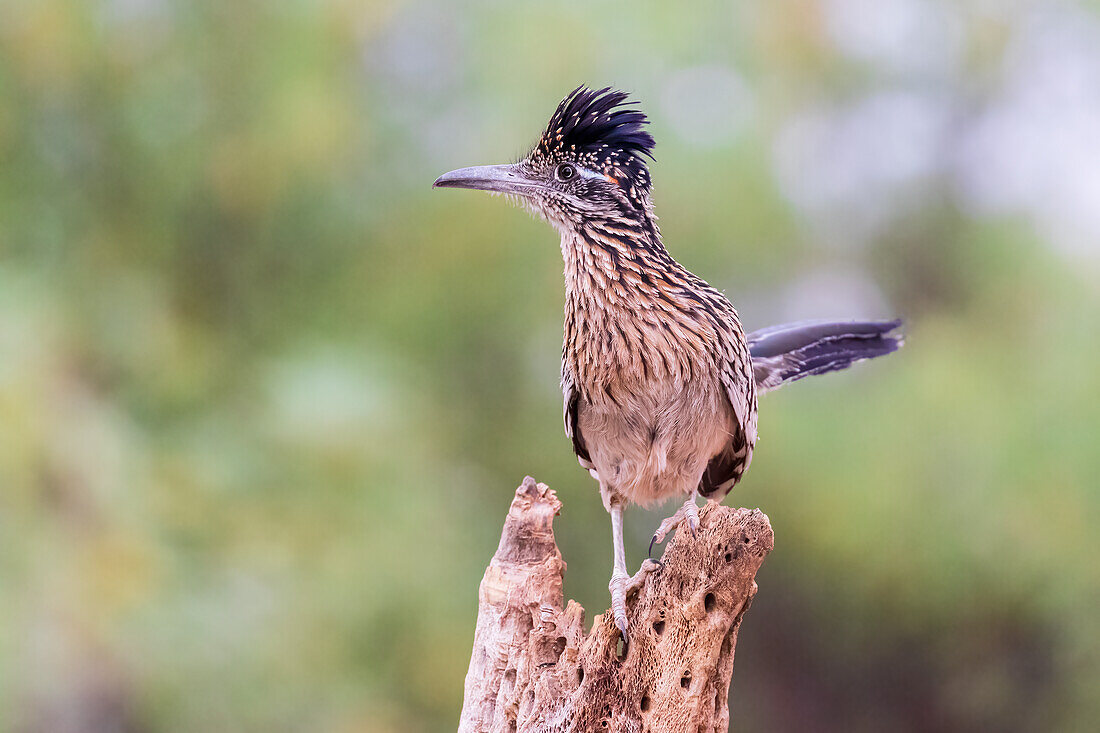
(600, 129)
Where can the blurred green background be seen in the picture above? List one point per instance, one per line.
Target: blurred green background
(265, 396)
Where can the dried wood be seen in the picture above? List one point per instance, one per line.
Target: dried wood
(535, 669)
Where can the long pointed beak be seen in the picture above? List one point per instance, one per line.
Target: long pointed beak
(496, 178)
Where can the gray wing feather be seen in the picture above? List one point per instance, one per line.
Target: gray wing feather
(570, 409)
(725, 469)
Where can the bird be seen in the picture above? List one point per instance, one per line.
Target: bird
(659, 379)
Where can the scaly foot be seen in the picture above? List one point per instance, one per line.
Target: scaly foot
(689, 513)
(622, 585)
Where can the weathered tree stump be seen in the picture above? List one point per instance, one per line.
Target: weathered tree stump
(534, 668)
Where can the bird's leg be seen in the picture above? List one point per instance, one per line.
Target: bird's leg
(621, 582)
(689, 513)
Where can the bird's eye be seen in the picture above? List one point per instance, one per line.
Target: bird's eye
(565, 172)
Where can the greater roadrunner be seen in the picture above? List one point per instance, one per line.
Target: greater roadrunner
(660, 380)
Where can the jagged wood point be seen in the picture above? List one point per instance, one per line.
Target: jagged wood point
(535, 670)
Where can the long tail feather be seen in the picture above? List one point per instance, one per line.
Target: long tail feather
(783, 354)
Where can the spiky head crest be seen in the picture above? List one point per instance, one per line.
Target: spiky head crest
(600, 130)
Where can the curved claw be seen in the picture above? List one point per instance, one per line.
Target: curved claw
(621, 623)
(687, 513)
(618, 588)
(622, 585)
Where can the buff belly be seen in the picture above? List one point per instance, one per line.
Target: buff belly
(653, 443)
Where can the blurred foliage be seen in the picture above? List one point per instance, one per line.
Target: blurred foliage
(264, 395)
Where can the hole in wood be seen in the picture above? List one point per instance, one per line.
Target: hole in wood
(559, 647)
(685, 680)
(580, 675)
(708, 602)
(620, 649)
(659, 627)
(644, 704)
